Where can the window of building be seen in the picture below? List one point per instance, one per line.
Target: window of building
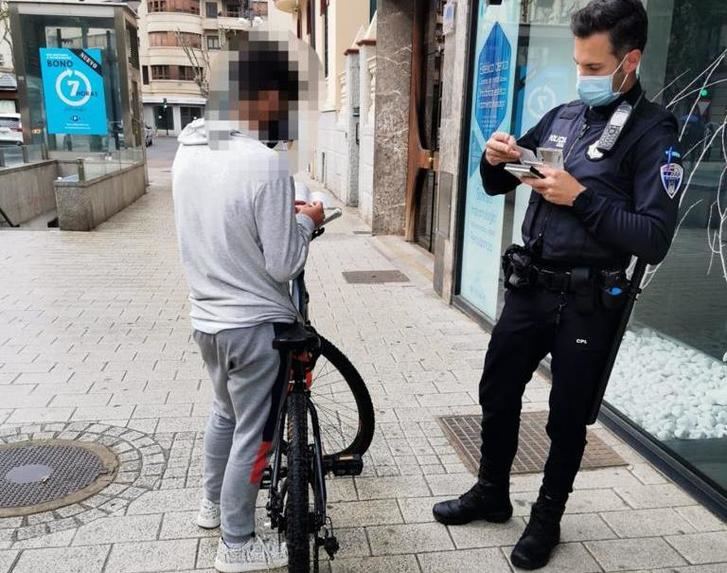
(187, 6)
(167, 38)
(145, 75)
(325, 39)
(213, 42)
(161, 73)
(186, 73)
(189, 114)
(233, 10)
(211, 9)
(132, 38)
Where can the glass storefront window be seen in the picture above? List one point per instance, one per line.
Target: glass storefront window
(61, 31)
(670, 379)
(671, 376)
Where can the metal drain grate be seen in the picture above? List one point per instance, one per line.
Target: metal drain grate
(463, 433)
(374, 277)
(42, 475)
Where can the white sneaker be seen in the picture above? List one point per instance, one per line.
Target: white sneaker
(257, 554)
(209, 514)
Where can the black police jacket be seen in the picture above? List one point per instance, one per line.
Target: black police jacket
(631, 202)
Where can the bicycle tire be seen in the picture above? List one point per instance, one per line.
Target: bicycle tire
(297, 513)
(366, 417)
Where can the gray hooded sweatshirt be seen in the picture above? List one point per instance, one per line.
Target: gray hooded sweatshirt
(239, 237)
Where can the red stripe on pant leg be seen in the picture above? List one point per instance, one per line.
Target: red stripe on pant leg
(261, 461)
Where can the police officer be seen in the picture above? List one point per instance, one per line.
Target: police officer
(615, 197)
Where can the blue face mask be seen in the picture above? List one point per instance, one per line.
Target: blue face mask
(597, 91)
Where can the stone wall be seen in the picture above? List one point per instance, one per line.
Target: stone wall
(26, 191)
(393, 78)
(453, 108)
(82, 206)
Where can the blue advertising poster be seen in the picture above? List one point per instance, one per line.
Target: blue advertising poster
(492, 99)
(73, 91)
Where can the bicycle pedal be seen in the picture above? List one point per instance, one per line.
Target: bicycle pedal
(330, 545)
(347, 465)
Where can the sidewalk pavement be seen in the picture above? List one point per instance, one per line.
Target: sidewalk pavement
(95, 344)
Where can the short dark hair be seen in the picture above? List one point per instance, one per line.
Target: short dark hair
(625, 21)
(264, 64)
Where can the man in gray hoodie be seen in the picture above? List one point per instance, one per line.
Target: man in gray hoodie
(241, 239)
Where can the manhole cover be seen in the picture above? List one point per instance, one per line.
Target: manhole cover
(374, 277)
(463, 433)
(40, 476)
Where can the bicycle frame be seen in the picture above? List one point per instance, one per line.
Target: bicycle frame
(299, 384)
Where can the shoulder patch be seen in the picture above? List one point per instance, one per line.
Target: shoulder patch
(672, 175)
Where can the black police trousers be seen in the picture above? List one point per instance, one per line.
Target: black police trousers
(536, 322)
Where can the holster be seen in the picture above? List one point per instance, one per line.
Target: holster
(582, 284)
(517, 267)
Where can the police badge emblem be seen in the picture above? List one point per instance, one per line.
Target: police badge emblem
(594, 154)
(672, 175)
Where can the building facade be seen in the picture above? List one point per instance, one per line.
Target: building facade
(435, 109)
(339, 31)
(178, 39)
(8, 81)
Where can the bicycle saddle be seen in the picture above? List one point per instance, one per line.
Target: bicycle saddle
(296, 338)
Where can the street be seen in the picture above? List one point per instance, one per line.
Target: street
(95, 344)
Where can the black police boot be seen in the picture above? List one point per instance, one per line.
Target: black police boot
(541, 535)
(484, 501)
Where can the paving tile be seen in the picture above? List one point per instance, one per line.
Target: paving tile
(7, 558)
(102, 413)
(383, 564)
(391, 487)
(75, 400)
(701, 547)
(584, 527)
(152, 556)
(450, 484)
(57, 539)
(162, 410)
(353, 541)
(419, 509)
(646, 522)
(484, 534)
(36, 415)
(567, 558)
(67, 559)
(701, 519)
(401, 539)
(627, 554)
(467, 561)
(651, 496)
(363, 513)
(119, 530)
(165, 501)
(180, 525)
(605, 478)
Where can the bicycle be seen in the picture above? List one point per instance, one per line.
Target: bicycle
(340, 416)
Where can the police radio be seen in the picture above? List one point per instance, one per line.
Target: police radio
(614, 127)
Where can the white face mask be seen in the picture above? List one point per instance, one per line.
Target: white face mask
(597, 91)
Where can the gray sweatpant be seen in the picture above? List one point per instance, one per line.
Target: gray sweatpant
(248, 388)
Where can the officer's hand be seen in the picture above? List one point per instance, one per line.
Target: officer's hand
(501, 148)
(314, 211)
(559, 187)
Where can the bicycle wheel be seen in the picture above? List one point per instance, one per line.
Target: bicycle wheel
(343, 403)
(297, 513)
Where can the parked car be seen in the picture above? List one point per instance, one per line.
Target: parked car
(11, 129)
(148, 135)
